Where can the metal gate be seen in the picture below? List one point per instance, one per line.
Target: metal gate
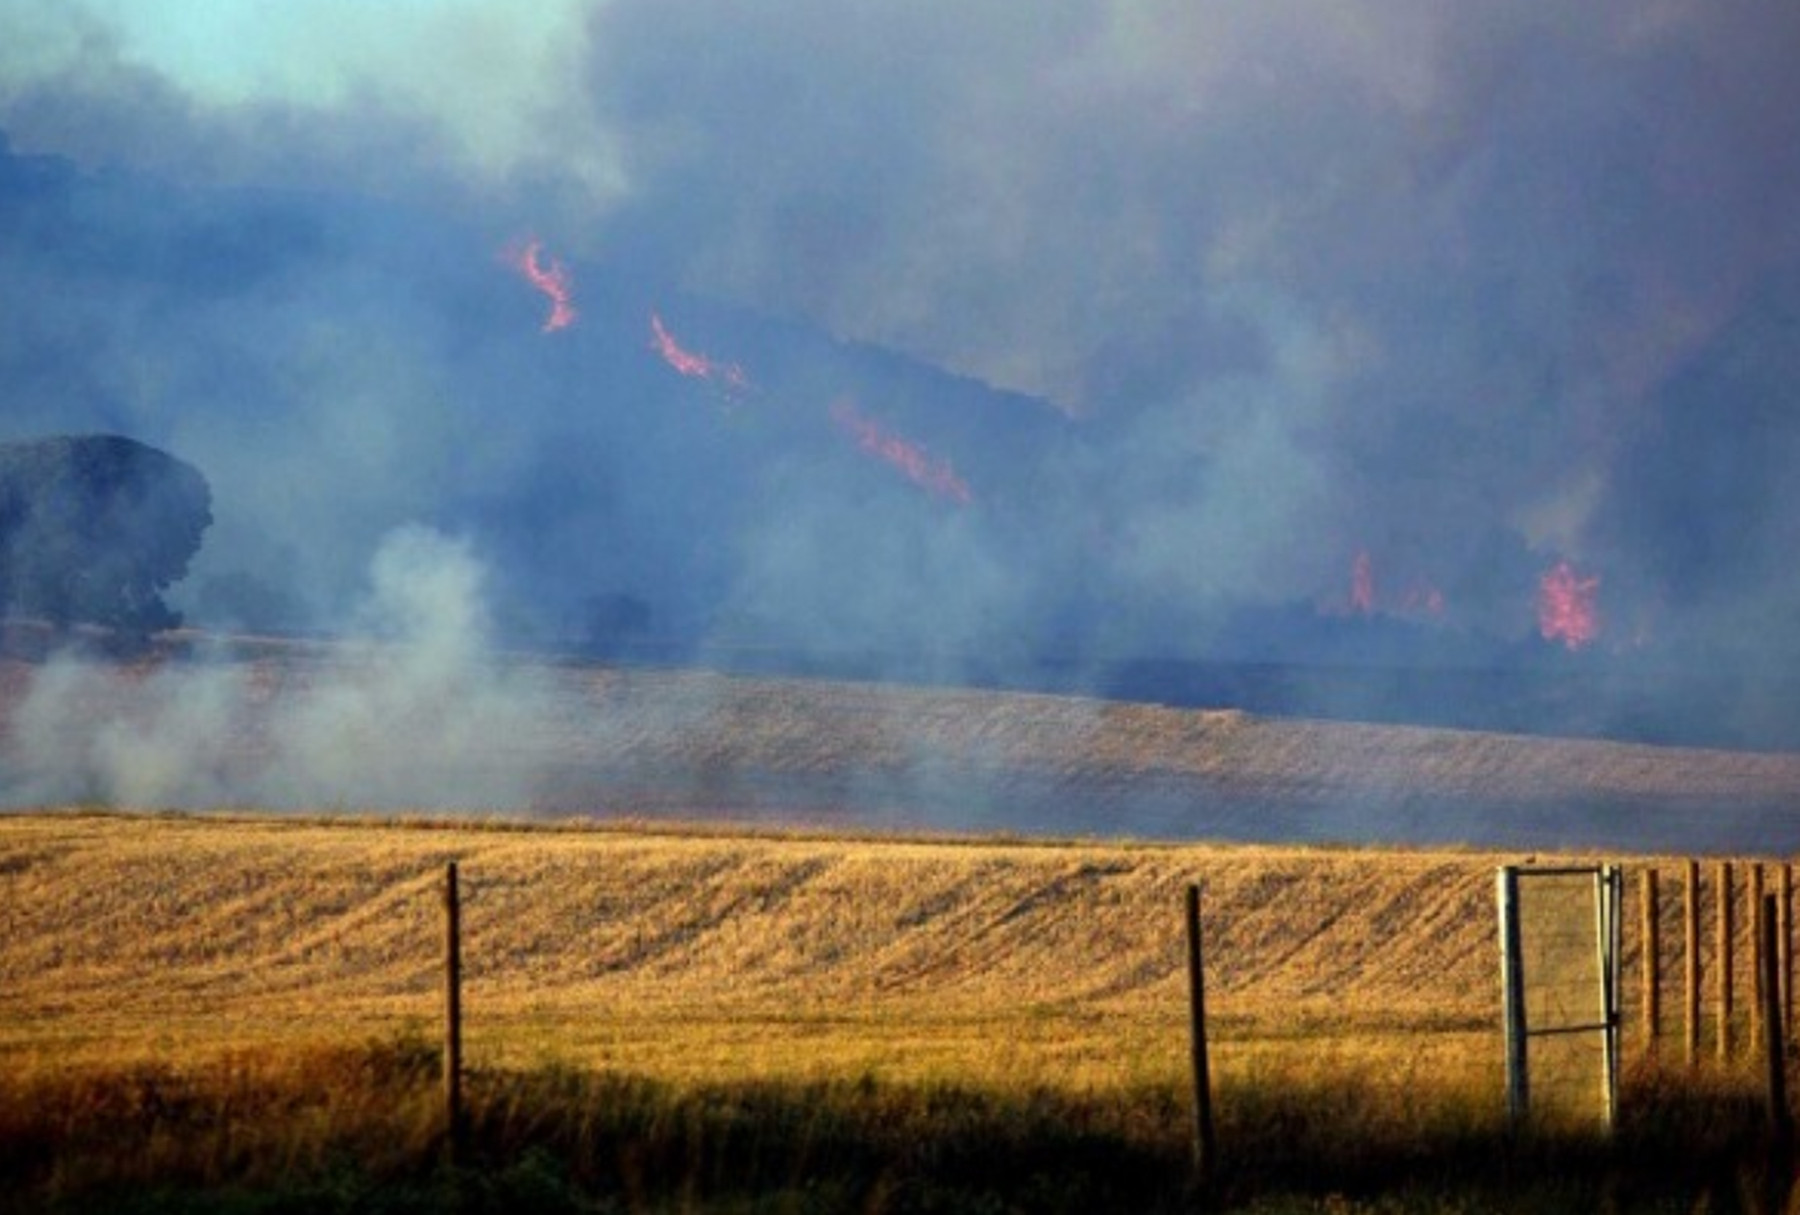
(1559, 966)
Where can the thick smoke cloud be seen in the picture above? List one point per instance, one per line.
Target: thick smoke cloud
(1382, 275)
(1470, 289)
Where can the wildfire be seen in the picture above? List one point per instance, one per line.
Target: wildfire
(1419, 599)
(936, 477)
(1566, 607)
(1422, 599)
(1362, 585)
(553, 279)
(693, 364)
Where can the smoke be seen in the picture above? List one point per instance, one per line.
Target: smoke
(1199, 300)
(416, 714)
(1503, 235)
(416, 99)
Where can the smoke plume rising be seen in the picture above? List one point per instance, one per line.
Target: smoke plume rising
(415, 714)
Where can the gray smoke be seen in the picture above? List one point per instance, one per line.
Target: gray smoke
(1472, 289)
(417, 713)
(1434, 283)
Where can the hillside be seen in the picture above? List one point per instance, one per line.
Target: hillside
(303, 726)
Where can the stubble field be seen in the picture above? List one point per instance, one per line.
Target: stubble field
(690, 953)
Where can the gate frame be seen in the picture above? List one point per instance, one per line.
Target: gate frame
(1608, 900)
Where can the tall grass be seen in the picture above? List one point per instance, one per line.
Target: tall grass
(360, 1129)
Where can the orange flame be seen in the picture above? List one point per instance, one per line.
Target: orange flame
(554, 280)
(1566, 608)
(691, 363)
(936, 477)
(1362, 585)
(1420, 599)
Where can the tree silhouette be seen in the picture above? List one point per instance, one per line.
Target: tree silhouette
(93, 528)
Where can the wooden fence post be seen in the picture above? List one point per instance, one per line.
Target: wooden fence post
(1723, 949)
(1691, 911)
(1205, 1146)
(1724, 963)
(1756, 962)
(1784, 948)
(1651, 961)
(1610, 891)
(452, 1016)
(1774, 1037)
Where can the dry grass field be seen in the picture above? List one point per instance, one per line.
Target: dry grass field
(869, 1010)
(704, 953)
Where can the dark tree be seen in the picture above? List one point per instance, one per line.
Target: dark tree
(93, 529)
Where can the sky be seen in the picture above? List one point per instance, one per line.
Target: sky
(1475, 290)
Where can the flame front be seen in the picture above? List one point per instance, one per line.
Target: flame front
(936, 477)
(1419, 601)
(693, 364)
(1422, 599)
(1362, 585)
(1566, 606)
(553, 279)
